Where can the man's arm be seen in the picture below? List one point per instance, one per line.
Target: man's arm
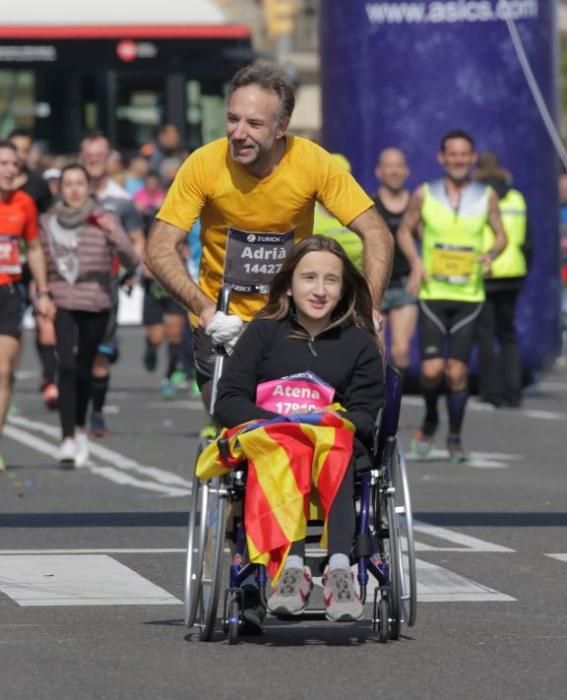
(36, 261)
(495, 221)
(378, 251)
(407, 233)
(165, 263)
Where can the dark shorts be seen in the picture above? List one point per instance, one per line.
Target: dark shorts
(11, 311)
(397, 296)
(157, 304)
(447, 329)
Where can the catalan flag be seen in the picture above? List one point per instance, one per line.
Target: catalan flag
(286, 457)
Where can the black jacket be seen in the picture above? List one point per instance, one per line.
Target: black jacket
(346, 357)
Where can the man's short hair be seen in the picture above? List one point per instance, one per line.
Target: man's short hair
(269, 77)
(457, 134)
(8, 144)
(95, 136)
(20, 133)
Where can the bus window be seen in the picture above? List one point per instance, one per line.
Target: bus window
(139, 109)
(205, 116)
(17, 100)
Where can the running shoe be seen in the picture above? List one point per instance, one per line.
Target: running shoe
(292, 592)
(82, 449)
(179, 379)
(167, 389)
(209, 432)
(98, 427)
(2, 463)
(50, 396)
(150, 358)
(455, 449)
(195, 391)
(342, 602)
(67, 453)
(422, 443)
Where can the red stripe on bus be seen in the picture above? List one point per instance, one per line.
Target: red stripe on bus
(226, 31)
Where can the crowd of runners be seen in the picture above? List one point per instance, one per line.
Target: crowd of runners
(461, 255)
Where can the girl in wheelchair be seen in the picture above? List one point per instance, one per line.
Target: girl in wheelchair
(314, 344)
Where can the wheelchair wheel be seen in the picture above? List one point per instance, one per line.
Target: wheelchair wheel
(406, 566)
(383, 620)
(233, 621)
(212, 557)
(195, 549)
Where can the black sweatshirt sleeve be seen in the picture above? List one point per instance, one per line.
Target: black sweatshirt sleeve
(365, 394)
(236, 399)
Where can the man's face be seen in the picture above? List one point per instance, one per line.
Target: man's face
(9, 169)
(254, 125)
(94, 156)
(23, 145)
(457, 158)
(392, 169)
(169, 138)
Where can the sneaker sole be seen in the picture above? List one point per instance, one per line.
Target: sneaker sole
(281, 611)
(345, 617)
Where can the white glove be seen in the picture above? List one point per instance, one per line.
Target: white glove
(224, 329)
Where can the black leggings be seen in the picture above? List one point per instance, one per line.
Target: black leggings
(341, 519)
(78, 333)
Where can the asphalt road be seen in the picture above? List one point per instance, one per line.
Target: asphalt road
(92, 564)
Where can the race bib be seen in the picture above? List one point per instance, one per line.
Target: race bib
(297, 393)
(452, 263)
(10, 263)
(252, 259)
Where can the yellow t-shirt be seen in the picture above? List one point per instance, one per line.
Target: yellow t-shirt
(210, 185)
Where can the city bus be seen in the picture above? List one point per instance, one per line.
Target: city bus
(124, 68)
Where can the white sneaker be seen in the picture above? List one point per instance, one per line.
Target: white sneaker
(82, 454)
(67, 453)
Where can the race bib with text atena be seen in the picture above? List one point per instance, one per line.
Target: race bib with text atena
(298, 393)
(252, 259)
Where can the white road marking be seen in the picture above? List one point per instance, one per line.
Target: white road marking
(105, 550)
(466, 542)
(559, 557)
(435, 584)
(177, 485)
(76, 580)
(114, 475)
(483, 407)
(476, 460)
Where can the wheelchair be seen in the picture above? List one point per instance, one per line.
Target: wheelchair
(383, 546)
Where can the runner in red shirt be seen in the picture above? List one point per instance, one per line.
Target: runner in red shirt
(18, 225)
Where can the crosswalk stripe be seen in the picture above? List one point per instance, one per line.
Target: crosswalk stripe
(64, 580)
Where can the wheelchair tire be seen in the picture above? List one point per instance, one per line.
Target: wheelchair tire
(211, 569)
(383, 620)
(404, 522)
(195, 549)
(233, 622)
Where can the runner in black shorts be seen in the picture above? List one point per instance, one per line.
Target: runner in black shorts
(164, 319)
(448, 275)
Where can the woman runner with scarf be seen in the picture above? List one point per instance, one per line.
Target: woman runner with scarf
(80, 240)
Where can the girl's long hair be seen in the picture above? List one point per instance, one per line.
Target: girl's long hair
(355, 305)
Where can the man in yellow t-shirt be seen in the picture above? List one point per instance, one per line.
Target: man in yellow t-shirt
(255, 192)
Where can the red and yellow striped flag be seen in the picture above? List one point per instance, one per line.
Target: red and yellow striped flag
(285, 457)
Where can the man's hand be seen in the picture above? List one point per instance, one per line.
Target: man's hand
(45, 306)
(486, 264)
(417, 275)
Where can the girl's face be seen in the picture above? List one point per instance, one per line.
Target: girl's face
(74, 188)
(316, 289)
